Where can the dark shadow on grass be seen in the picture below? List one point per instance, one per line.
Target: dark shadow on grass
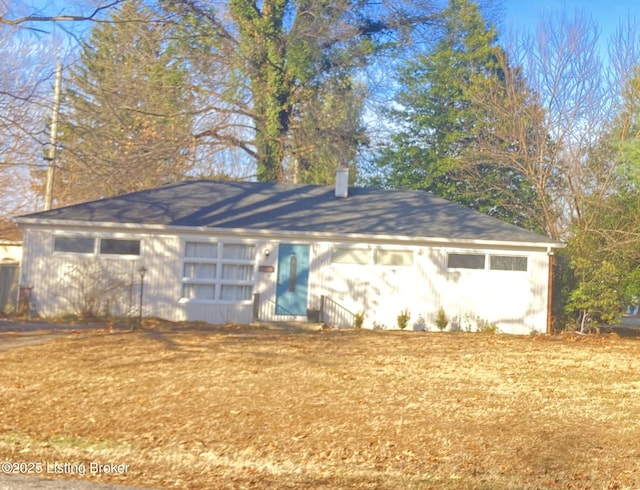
(162, 337)
(218, 338)
(624, 332)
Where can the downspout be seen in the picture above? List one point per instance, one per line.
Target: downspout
(550, 254)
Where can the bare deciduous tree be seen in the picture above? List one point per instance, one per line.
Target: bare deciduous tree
(26, 82)
(565, 71)
(24, 89)
(23, 14)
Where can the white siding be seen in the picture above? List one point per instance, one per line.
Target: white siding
(61, 282)
(219, 314)
(514, 300)
(380, 291)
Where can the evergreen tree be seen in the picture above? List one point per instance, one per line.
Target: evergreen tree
(126, 117)
(449, 112)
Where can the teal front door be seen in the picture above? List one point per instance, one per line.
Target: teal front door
(293, 279)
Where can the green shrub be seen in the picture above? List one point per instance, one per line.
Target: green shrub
(403, 319)
(485, 326)
(358, 319)
(441, 320)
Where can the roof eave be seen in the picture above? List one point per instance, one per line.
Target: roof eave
(362, 237)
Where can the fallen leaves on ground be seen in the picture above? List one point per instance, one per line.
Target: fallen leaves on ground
(205, 407)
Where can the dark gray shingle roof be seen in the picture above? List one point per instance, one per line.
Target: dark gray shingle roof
(295, 208)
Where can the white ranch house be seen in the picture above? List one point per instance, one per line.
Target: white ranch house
(240, 252)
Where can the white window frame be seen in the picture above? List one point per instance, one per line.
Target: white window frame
(116, 238)
(469, 253)
(97, 240)
(372, 255)
(346, 248)
(72, 236)
(219, 262)
(384, 250)
(487, 261)
(499, 255)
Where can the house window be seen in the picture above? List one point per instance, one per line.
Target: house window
(235, 293)
(507, 263)
(214, 271)
(394, 257)
(201, 250)
(465, 261)
(344, 255)
(238, 251)
(77, 245)
(115, 246)
(237, 272)
(198, 291)
(196, 270)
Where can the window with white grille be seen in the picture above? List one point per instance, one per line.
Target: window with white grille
(217, 271)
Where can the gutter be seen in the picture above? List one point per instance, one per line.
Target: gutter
(288, 234)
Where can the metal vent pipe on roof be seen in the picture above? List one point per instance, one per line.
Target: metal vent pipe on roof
(342, 181)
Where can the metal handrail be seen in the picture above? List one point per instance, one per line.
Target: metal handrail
(267, 310)
(327, 304)
(331, 312)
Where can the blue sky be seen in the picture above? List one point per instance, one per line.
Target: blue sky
(523, 14)
(519, 13)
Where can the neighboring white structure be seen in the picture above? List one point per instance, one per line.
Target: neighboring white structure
(10, 251)
(10, 256)
(236, 252)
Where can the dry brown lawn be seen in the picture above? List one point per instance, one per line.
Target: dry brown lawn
(205, 407)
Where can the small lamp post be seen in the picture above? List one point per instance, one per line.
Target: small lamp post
(142, 271)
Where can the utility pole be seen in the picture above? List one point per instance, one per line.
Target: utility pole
(53, 140)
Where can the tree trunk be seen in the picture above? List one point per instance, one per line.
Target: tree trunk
(263, 45)
(583, 322)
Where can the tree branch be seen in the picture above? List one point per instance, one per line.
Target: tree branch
(58, 18)
(228, 140)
